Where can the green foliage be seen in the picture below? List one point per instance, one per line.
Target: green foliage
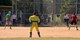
(68, 6)
(26, 5)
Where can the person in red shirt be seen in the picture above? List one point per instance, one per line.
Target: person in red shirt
(73, 19)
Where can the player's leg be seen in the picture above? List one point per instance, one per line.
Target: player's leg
(10, 23)
(6, 23)
(67, 22)
(69, 27)
(38, 32)
(31, 30)
(75, 23)
(71, 24)
(77, 27)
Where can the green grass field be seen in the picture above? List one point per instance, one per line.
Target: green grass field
(46, 38)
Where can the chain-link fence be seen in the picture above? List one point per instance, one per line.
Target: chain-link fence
(46, 9)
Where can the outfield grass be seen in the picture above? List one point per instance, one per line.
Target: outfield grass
(50, 38)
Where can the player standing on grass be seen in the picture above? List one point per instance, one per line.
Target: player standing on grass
(8, 19)
(74, 19)
(35, 20)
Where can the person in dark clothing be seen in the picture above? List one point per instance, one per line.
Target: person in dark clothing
(66, 19)
(74, 19)
(0, 19)
(14, 17)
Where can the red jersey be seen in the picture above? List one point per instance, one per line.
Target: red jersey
(74, 18)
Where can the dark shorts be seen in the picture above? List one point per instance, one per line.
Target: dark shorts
(73, 22)
(66, 20)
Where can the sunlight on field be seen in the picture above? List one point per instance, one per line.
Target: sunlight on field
(45, 38)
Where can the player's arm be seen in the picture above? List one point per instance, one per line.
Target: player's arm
(38, 19)
(29, 19)
(70, 18)
(77, 18)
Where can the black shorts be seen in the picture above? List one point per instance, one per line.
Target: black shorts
(66, 20)
(73, 22)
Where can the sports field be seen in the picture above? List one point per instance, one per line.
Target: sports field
(47, 33)
(46, 38)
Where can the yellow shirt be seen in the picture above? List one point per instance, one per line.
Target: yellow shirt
(34, 18)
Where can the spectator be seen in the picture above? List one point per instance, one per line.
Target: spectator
(14, 18)
(66, 19)
(57, 20)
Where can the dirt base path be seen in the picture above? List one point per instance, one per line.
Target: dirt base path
(45, 32)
